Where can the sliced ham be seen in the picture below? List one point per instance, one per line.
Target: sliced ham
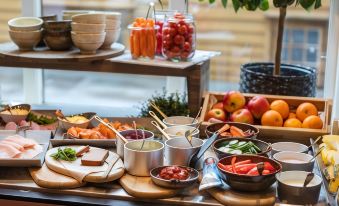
(25, 142)
(16, 145)
(11, 126)
(9, 150)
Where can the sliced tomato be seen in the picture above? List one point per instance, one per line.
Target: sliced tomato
(243, 162)
(234, 159)
(268, 166)
(245, 168)
(253, 172)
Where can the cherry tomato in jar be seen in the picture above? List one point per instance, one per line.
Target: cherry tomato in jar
(174, 172)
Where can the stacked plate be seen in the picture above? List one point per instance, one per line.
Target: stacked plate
(112, 28)
(88, 31)
(25, 32)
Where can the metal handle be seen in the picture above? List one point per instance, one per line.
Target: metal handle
(112, 128)
(157, 119)
(154, 123)
(158, 109)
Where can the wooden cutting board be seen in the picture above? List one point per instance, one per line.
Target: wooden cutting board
(45, 177)
(98, 177)
(143, 187)
(226, 196)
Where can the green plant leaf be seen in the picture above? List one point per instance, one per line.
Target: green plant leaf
(236, 5)
(306, 4)
(264, 5)
(211, 1)
(224, 3)
(317, 4)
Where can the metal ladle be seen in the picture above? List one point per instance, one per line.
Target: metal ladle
(308, 179)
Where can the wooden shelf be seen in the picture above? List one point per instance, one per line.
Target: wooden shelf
(196, 71)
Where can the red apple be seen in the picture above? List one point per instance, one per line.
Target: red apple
(258, 105)
(242, 115)
(218, 105)
(233, 101)
(216, 114)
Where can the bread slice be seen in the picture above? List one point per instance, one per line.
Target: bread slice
(95, 157)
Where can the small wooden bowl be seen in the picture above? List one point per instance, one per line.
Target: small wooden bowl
(25, 24)
(111, 37)
(80, 28)
(66, 124)
(26, 40)
(210, 129)
(57, 26)
(93, 18)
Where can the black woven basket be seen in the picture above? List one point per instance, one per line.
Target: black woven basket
(294, 80)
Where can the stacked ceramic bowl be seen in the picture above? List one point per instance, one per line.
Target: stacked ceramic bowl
(67, 14)
(112, 29)
(88, 32)
(25, 32)
(57, 35)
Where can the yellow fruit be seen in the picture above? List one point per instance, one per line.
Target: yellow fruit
(282, 107)
(293, 122)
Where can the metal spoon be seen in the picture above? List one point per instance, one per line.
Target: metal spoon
(135, 129)
(188, 133)
(59, 114)
(143, 139)
(196, 117)
(308, 179)
(309, 147)
(158, 110)
(319, 151)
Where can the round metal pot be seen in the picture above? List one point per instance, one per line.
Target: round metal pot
(180, 120)
(179, 152)
(120, 144)
(179, 131)
(140, 162)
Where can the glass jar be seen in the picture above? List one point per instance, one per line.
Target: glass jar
(142, 39)
(179, 37)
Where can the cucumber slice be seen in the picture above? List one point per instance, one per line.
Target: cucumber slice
(227, 150)
(233, 142)
(236, 152)
(241, 143)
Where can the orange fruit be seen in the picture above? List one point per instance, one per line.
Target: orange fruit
(293, 122)
(292, 115)
(272, 118)
(312, 122)
(306, 109)
(282, 107)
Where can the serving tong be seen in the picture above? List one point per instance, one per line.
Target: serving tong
(158, 109)
(110, 127)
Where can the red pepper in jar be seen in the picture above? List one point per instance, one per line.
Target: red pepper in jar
(174, 172)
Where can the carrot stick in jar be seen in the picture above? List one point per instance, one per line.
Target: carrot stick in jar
(131, 43)
(151, 45)
(143, 42)
(136, 44)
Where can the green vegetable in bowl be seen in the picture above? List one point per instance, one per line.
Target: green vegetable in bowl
(67, 154)
(239, 147)
(41, 119)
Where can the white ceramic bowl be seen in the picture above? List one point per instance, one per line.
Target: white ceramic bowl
(88, 28)
(26, 40)
(288, 146)
(111, 37)
(294, 161)
(112, 24)
(91, 18)
(25, 24)
(180, 120)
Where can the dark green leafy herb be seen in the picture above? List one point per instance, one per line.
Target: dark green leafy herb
(172, 104)
(41, 119)
(67, 154)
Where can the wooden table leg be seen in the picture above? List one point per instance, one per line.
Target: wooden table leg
(197, 85)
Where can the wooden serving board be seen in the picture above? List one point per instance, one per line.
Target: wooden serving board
(97, 177)
(226, 196)
(143, 187)
(46, 178)
(12, 53)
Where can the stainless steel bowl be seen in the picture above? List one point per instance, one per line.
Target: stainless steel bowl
(291, 191)
(288, 146)
(180, 120)
(140, 162)
(193, 177)
(179, 152)
(179, 131)
(120, 144)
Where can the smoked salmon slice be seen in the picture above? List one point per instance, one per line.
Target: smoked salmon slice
(17, 146)
(21, 141)
(8, 151)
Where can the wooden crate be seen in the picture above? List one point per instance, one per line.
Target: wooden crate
(274, 134)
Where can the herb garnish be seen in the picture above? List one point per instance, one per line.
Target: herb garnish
(67, 154)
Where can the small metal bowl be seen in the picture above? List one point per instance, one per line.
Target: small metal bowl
(210, 129)
(174, 184)
(15, 118)
(66, 125)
